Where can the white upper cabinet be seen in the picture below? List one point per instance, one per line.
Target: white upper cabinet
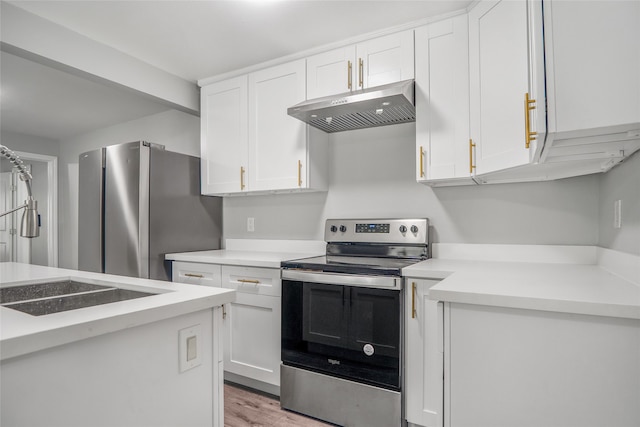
(593, 79)
(375, 62)
(442, 103)
(331, 72)
(251, 144)
(385, 60)
(223, 135)
(277, 142)
(506, 66)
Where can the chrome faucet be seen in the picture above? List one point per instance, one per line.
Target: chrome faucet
(30, 227)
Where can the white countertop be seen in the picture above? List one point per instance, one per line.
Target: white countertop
(587, 288)
(239, 257)
(21, 333)
(254, 252)
(570, 279)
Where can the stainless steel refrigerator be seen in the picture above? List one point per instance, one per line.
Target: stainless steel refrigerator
(137, 202)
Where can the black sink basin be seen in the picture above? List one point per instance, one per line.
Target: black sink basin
(46, 298)
(45, 290)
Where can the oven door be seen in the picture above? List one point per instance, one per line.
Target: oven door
(348, 331)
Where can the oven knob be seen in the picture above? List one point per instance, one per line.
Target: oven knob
(368, 349)
(414, 229)
(403, 229)
(343, 228)
(333, 228)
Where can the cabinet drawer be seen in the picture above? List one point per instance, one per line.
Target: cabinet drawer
(259, 281)
(196, 273)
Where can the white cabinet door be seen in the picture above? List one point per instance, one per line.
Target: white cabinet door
(252, 323)
(375, 62)
(385, 59)
(277, 141)
(332, 72)
(504, 66)
(593, 65)
(442, 100)
(252, 337)
(527, 368)
(424, 355)
(224, 136)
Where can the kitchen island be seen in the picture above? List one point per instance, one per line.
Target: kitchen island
(154, 360)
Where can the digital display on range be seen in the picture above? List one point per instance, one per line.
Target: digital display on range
(372, 228)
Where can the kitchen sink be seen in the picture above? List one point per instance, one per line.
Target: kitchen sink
(45, 290)
(46, 298)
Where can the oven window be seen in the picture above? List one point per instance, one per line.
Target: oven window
(323, 318)
(374, 320)
(345, 331)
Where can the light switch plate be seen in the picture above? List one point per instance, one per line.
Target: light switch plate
(189, 347)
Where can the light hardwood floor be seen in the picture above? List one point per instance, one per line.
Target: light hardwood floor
(243, 408)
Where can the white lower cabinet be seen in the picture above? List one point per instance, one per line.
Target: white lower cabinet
(251, 323)
(526, 368)
(424, 366)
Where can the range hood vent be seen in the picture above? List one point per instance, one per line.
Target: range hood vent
(378, 106)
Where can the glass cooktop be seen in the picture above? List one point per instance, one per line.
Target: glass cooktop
(351, 265)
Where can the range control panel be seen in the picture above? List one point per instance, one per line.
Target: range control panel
(407, 231)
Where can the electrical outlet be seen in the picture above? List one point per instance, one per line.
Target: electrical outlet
(617, 214)
(251, 224)
(190, 347)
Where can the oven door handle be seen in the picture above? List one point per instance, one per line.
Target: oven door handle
(386, 282)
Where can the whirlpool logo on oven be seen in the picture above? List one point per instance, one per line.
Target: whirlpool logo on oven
(333, 361)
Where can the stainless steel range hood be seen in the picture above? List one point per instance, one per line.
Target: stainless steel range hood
(378, 106)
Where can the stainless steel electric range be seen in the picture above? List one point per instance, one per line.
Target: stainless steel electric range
(342, 322)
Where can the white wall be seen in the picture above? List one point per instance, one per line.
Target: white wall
(177, 131)
(372, 175)
(621, 183)
(30, 144)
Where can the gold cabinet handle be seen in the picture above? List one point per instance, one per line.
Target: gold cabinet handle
(349, 69)
(471, 147)
(413, 300)
(241, 178)
(529, 104)
(198, 276)
(421, 154)
(361, 72)
(255, 282)
(299, 173)
(224, 311)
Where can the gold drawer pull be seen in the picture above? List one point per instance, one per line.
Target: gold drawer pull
(529, 104)
(413, 300)
(361, 72)
(242, 178)
(471, 147)
(255, 282)
(349, 67)
(421, 154)
(199, 276)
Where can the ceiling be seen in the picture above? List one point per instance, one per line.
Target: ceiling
(191, 39)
